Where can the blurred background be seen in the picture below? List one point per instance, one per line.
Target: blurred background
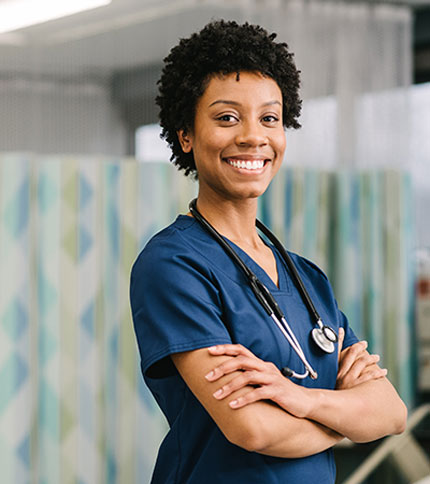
(85, 181)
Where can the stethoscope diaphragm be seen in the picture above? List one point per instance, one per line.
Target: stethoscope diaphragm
(323, 338)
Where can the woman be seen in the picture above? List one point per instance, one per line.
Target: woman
(210, 353)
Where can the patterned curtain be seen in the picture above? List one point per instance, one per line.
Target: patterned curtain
(73, 407)
(357, 226)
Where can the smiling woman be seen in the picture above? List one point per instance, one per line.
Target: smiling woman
(210, 351)
(238, 139)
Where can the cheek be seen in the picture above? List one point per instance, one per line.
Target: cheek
(210, 141)
(217, 140)
(281, 142)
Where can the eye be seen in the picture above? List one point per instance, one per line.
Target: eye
(270, 118)
(227, 118)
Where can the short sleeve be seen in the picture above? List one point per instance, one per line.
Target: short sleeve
(350, 338)
(175, 307)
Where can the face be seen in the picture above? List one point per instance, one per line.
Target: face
(238, 139)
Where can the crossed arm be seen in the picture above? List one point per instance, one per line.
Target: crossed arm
(257, 408)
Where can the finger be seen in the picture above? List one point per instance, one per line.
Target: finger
(340, 342)
(245, 379)
(361, 363)
(372, 375)
(260, 393)
(238, 363)
(349, 355)
(372, 372)
(230, 349)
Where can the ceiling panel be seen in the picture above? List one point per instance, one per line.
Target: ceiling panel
(123, 34)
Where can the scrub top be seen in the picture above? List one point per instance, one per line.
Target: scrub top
(186, 293)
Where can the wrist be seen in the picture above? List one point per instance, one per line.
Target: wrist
(313, 402)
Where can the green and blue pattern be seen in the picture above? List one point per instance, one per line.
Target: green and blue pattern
(73, 406)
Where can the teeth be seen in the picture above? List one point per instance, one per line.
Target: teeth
(246, 164)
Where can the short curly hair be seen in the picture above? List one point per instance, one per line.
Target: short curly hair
(221, 47)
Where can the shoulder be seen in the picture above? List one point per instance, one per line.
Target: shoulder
(308, 267)
(182, 254)
(166, 248)
(314, 279)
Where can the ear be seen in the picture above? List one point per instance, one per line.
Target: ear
(185, 140)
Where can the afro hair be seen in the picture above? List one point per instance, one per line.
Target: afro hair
(221, 47)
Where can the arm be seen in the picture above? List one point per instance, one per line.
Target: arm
(361, 389)
(363, 408)
(366, 412)
(259, 427)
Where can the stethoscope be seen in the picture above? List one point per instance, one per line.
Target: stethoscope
(323, 336)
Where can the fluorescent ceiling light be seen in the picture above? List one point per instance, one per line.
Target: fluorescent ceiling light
(17, 14)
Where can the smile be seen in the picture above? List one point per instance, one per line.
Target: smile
(246, 164)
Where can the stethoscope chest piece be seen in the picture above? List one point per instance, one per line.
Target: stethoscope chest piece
(324, 338)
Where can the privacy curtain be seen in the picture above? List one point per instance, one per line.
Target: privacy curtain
(73, 407)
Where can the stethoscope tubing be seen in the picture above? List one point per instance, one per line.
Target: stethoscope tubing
(267, 300)
(291, 338)
(304, 293)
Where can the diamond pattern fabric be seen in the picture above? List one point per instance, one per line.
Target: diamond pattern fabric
(73, 406)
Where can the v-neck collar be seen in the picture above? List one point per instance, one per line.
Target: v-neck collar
(281, 267)
(260, 272)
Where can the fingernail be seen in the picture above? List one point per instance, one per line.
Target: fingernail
(218, 393)
(210, 375)
(214, 348)
(234, 403)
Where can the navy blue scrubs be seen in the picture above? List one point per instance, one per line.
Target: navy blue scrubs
(186, 293)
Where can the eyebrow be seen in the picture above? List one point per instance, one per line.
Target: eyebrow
(235, 103)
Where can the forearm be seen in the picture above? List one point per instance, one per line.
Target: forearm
(262, 427)
(281, 434)
(265, 428)
(363, 413)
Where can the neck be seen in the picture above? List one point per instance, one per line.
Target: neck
(234, 219)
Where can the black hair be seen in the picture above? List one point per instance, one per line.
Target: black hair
(221, 47)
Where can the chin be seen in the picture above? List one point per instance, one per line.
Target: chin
(249, 193)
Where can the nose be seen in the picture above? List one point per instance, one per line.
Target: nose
(251, 134)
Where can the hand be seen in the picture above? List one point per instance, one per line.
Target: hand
(267, 380)
(356, 365)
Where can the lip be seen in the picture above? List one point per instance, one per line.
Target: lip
(244, 170)
(250, 157)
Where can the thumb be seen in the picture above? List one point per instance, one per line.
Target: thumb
(340, 341)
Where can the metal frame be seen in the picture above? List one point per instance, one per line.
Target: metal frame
(407, 455)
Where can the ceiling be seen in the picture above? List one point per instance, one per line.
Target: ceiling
(122, 34)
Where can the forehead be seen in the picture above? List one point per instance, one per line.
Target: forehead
(244, 88)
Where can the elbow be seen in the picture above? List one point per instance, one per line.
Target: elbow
(395, 424)
(401, 419)
(248, 436)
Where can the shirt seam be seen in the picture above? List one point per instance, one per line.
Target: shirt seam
(211, 263)
(179, 460)
(188, 346)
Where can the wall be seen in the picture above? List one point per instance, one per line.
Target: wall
(54, 115)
